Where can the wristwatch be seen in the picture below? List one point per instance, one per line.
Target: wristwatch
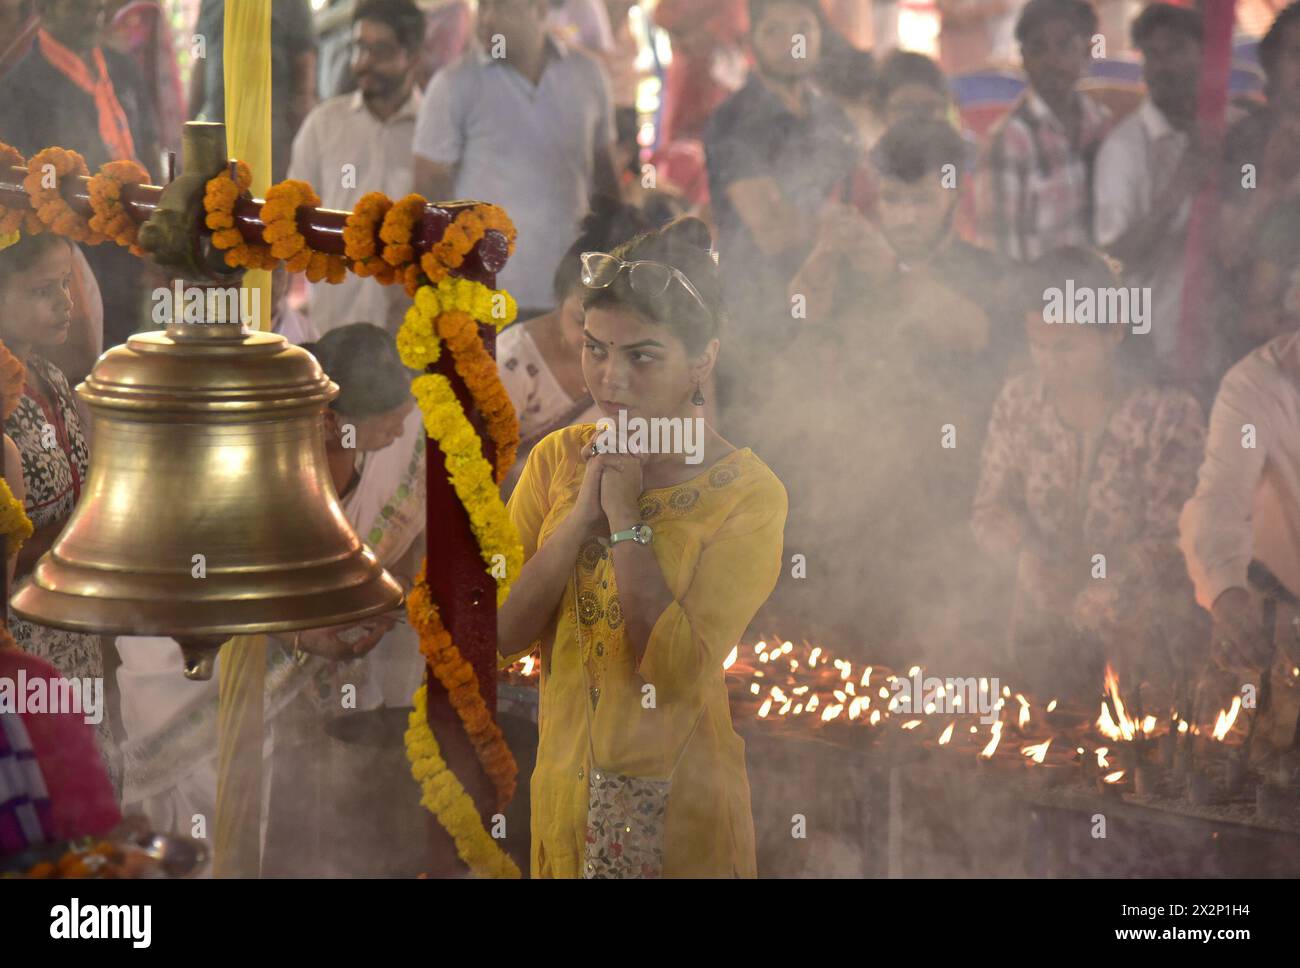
(640, 533)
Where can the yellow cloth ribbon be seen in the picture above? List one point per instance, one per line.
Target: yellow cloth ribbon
(237, 844)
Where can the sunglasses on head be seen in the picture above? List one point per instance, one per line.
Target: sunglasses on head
(600, 269)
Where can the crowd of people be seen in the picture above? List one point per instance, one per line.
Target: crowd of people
(873, 300)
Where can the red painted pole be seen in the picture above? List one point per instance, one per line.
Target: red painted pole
(321, 227)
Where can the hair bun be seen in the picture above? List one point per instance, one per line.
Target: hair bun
(688, 230)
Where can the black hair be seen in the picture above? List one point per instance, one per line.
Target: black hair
(847, 72)
(24, 253)
(403, 17)
(1269, 47)
(1087, 267)
(903, 67)
(607, 224)
(686, 245)
(1165, 16)
(757, 8)
(1079, 14)
(362, 359)
(912, 149)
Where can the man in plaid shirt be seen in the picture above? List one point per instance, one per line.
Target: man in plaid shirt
(1035, 180)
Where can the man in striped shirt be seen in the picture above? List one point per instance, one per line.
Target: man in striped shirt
(1035, 180)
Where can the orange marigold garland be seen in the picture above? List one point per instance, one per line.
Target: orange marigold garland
(280, 218)
(51, 207)
(360, 238)
(13, 375)
(219, 197)
(478, 369)
(465, 232)
(396, 231)
(110, 218)
(457, 676)
(22, 217)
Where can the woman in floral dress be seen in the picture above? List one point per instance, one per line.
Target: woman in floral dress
(1087, 463)
(36, 315)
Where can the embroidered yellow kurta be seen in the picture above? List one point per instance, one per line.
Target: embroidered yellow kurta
(717, 539)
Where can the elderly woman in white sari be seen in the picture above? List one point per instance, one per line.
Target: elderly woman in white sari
(375, 450)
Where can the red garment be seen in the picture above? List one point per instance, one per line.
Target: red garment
(80, 793)
(114, 129)
(691, 92)
(682, 165)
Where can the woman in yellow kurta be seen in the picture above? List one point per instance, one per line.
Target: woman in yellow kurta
(653, 616)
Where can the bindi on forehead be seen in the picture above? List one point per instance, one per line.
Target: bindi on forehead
(612, 344)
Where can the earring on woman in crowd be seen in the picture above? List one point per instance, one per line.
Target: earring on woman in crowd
(697, 398)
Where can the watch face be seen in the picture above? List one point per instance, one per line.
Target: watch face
(643, 534)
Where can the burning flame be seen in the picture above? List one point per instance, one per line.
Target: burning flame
(947, 734)
(987, 752)
(1113, 777)
(1038, 752)
(1125, 729)
(1226, 719)
(730, 660)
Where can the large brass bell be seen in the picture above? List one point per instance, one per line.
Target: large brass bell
(208, 510)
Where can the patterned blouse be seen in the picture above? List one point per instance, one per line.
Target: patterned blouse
(47, 431)
(1118, 495)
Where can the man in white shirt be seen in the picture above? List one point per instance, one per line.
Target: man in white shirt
(1247, 501)
(526, 124)
(361, 142)
(1146, 176)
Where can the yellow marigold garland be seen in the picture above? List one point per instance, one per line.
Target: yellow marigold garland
(458, 678)
(450, 311)
(417, 341)
(15, 525)
(444, 796)
(51, 207)
(494, 306)
(471, 476)
(105, 190)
